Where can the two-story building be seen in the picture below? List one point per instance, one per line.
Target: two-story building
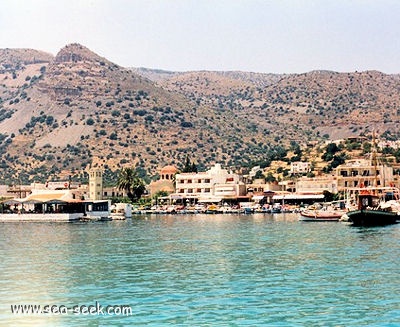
(299, 167)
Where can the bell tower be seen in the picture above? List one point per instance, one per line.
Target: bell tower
(95, 183)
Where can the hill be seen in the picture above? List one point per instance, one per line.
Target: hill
(336, 104)
(58, 114)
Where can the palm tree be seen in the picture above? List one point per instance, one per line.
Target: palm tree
(131, 183)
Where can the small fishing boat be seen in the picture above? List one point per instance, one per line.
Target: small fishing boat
(319, 212)
(308, 215)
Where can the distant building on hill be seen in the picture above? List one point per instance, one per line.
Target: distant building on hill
(300, 167)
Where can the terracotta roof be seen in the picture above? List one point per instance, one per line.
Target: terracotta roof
(169, 169)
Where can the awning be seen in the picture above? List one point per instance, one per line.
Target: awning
(174, 197)
(298, 196)
(210, 200)
(258, 197)
(45, 197)
(12, 201)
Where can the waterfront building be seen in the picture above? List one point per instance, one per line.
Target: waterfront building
(302, 190)
(259, 190)
(213, 185)
(316, 185)
(361, 173)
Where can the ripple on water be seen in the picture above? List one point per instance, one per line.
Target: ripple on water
(206, 270)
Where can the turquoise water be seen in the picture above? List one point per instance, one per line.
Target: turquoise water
(203, 270)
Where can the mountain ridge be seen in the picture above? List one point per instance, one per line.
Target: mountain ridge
(78, 108)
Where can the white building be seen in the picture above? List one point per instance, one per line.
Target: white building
(299, 167)
(362, 173)
(214, 185)
(316, 185)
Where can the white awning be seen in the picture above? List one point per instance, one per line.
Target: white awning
(258, 197)
(297, 196)
(209, 200)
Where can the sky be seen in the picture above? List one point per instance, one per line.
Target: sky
(266, 36)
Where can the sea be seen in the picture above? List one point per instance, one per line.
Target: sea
(199, 270)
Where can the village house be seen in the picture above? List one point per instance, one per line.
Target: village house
(300, 167)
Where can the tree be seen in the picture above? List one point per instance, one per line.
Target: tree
(189, 166)
(259, 175)
(129, 181)
(330, 151)
(270, 178)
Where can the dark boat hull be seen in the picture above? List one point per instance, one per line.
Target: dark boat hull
(372, 217)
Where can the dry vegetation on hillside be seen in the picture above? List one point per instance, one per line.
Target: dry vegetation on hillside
(62, 113)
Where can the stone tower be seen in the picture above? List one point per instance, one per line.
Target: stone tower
(95, 183)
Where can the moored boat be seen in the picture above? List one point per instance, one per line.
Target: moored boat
(320, 215)
(373, 205)
(322, 212)
(372, 211)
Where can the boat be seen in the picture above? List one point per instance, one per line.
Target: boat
(276, 208)
(373, 211)
(376, 205)
(213, 209)
(248, 210)
(321, 213)
(121, 211)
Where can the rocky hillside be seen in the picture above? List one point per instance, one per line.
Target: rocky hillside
(320, 103)
(59, 114)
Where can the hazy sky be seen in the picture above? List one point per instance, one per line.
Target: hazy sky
(270, 36)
